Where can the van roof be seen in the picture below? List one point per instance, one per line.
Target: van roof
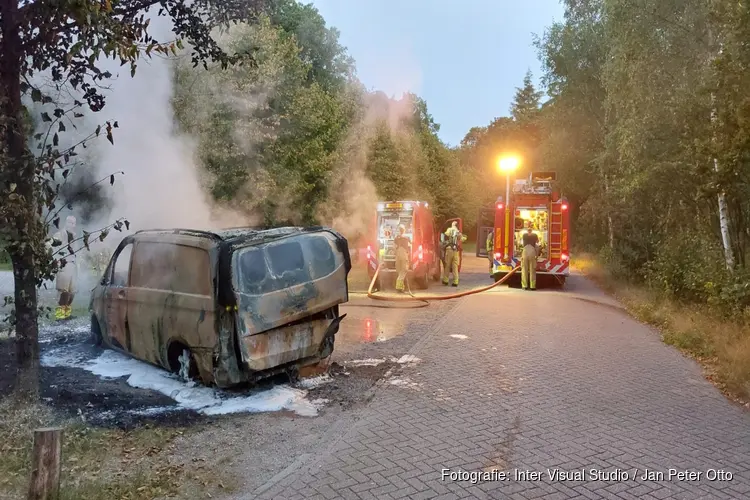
(236, 235)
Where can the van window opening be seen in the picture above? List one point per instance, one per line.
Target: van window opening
(254, 271)
(288, 263)
(281, 265)
(322, 256)
(122, 266)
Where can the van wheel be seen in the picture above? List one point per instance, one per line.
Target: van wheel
(182, 362)
(96, 331)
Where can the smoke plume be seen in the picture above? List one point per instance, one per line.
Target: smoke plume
(353, 197)
(162, 185)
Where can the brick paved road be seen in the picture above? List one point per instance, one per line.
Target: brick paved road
(557, 383)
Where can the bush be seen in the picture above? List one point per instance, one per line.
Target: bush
(687, 268)
(732, 295)
(615, 264)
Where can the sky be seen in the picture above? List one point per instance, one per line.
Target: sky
(464, 57)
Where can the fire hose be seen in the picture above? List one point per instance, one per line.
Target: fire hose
(425, 301)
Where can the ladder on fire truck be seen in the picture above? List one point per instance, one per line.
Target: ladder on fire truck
(555, 230)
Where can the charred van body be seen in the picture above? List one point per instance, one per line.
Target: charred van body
(227, 307)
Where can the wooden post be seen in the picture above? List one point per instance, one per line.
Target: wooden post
(45, 464)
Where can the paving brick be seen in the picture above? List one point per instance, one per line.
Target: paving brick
(578, 386)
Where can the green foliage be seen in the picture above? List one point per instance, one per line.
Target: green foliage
(633, 86)
(282, 137)
(525, 107)
(686, 267)
(55, 48)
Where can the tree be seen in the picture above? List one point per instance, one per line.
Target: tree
(64, 41)
(525, 106)
(271, 135)
(646, 123)
(574, 120)
(328, 62)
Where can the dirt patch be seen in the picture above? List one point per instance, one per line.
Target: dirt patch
(350, 385)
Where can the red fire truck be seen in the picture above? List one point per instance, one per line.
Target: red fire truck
(416, 216)
(533, 203)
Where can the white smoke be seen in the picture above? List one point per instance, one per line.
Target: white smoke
(162, 185)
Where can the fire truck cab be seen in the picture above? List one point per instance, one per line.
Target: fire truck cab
(533, 203)
(416, 216)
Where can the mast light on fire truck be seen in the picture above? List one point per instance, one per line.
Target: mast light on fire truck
(508, 163)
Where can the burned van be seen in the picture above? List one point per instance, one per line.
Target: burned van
(226, 307)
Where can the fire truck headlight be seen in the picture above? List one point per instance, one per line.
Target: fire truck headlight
(564, 206)
(381, 207)
(407, 206)
(564, 257)
(499, 206)
(497, 256)
(420, 255)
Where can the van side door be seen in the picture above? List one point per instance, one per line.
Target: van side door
(116, 299)
(170, 300)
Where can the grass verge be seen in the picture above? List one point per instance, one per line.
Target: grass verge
(721, 347)
(98, 464)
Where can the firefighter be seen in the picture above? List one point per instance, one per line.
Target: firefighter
(490, 246)
(67, 278)
(528, 259)
(402, 244)
(453, 240)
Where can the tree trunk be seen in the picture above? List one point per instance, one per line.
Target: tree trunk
(27, 326)
(726, 238)
(610, 227)
(46, 464)
(19, 169)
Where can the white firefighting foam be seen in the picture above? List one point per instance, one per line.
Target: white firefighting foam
(206, 400)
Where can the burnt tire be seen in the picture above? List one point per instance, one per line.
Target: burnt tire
(96, 332)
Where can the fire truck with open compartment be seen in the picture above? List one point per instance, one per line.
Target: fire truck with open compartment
(417, 218)
(533, 202)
